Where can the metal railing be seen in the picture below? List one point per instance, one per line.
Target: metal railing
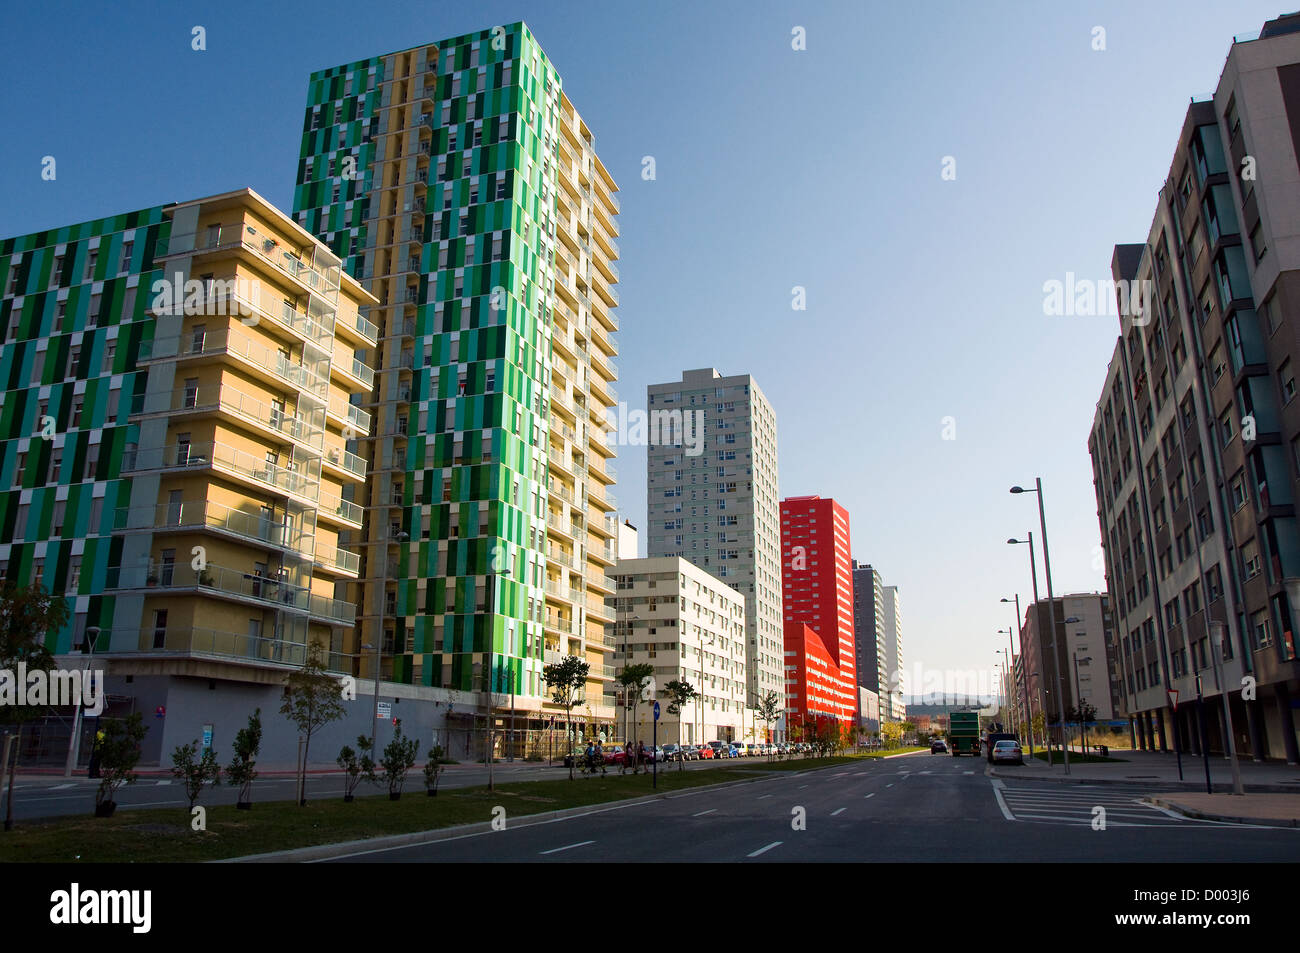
(246, 407)
(208, 514)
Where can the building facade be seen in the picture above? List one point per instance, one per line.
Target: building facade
(1196, 442)
(183, 379)
(459, 184)
(892, 615)
(874, 628)
(712, 499)
(690, 627)
(817, 600)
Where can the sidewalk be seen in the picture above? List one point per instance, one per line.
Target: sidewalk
(282, 771)
(1140, 767)
(1269, 810)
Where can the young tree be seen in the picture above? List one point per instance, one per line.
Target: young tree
(566, 679)
(242, 770)
(768, 707)
(195, 772)
(634, 679)
(680, 692)
(29, 617)
(119, 753)
(433, 768)
(891, 733)
(311, 699)
(399, 758)
(355, 768)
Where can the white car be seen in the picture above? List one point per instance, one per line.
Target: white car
(1008, 751)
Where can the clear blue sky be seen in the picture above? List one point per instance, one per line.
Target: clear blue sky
(775, 168)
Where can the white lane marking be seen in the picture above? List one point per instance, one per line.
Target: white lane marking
(556, 850)
(764, 850)
(890, 784)
(702, 813)
(872, 794)
(60, 787)
(968, 772)
(162, 784)
(840, 811)
(802, 786)
(763, 796)
(1006, 811)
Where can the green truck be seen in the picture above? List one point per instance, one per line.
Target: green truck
(964, 733)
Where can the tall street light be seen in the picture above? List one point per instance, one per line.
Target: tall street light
(1051, 599)
(1042, 688)
(1005, 693)
(1078, 701)
(1012, 646)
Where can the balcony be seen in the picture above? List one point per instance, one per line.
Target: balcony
(243, 407)
(340, 511)
(232, 646)
(559, 623)
(234, 584)
(338, 560)
(210, 516)
(272, 365)
(357, 369)
(352, 415)
(301, 482)
(346, 462)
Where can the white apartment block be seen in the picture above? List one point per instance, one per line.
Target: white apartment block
(713, 500)
(690, 626)
(893, 636)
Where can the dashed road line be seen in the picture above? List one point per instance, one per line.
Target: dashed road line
(702, 813)
(764, 850)
(556, 850)
(840, 811)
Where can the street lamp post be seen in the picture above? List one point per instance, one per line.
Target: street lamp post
(74, 743)
(1051, 599)
(1042, 700)
(1011, 645)
(1078, 700)
(1011, 684)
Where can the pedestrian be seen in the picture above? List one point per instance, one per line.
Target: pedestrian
(600, 756)
(640, 755)
(588, 755)
(627, 757)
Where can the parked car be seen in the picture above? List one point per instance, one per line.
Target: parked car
(673, 752)
(938, 746)
(704, 753)
(1007, 752)
(717, 747)
(615, 756)
(753, 751)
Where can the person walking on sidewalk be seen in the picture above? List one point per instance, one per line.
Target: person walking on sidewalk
(640, 756)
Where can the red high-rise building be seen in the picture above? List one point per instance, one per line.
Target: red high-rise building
(817, 593)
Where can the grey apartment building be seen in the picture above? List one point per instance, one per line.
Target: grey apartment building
(713, 500)
(869, 632)
(1196, 440)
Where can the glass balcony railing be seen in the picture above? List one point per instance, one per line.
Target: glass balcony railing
(267, 247)
(208, 514)
(206, 344)
(232, 645)
(300, 480)
(244, 406)
(348, 461)
(339, 558)
(339, 508)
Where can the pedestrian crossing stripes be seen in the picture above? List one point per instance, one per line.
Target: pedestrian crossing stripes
(1067, 806)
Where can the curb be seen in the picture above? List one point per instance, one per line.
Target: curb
(1194, 814)
(1218, 787)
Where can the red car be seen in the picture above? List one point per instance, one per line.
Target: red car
(615, 756)
(705, 753)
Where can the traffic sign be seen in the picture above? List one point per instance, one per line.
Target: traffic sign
(1173, 697)
(385, 710)
(656, 711)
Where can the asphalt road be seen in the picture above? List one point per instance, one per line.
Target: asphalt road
(917, 808)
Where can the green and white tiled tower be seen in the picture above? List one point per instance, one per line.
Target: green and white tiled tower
(456, 181)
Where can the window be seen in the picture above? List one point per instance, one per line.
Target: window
(1237, 491)
(1250, 559)
(1286, 378)
(1260, 631)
